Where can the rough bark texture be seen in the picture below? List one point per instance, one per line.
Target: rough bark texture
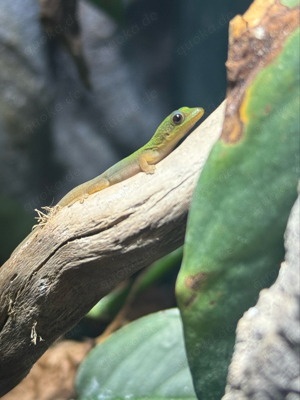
(266, 361)
(85, 250)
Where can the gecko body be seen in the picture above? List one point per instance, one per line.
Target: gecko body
(167, 135)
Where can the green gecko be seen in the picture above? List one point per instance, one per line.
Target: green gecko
(167, 135)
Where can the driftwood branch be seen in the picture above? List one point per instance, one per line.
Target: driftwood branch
(85, 250)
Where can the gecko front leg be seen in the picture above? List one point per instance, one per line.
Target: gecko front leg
(144, 163)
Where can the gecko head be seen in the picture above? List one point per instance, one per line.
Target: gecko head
(177, 125)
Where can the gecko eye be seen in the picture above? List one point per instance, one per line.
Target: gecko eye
(177, 118)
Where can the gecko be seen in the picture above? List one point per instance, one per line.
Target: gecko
(165, 138)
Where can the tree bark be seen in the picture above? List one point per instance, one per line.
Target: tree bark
(66, 266)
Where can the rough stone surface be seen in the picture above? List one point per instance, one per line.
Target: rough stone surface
(266, 360)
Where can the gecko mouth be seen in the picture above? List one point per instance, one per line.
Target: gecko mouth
(195, 116)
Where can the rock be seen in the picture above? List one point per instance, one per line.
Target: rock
(266, 362)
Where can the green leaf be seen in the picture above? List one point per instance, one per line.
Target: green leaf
(108, 307)
(290, 3)
(234, 240)
(160, 268)
(144, 360)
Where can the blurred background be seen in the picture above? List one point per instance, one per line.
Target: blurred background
(85, 84)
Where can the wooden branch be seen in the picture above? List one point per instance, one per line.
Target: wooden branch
(85, 250)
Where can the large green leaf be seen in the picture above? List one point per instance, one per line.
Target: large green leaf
(234, 240)
(144, 360)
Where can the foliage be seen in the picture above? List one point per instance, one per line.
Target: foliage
(145, 359)
(234, 239)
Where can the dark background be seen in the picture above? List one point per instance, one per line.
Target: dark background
(145, 59)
